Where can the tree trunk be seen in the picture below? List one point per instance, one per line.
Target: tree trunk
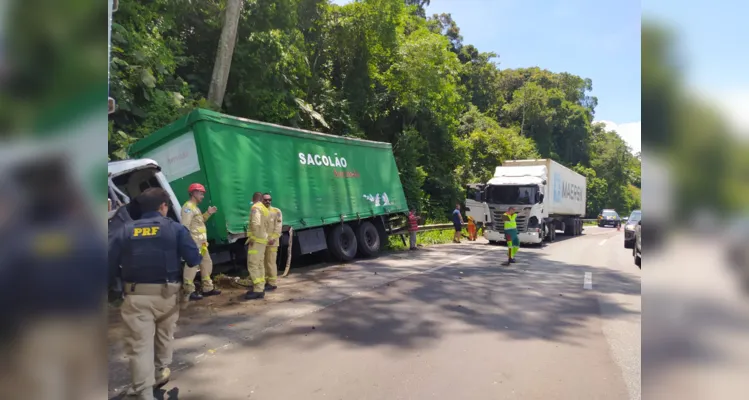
(224, 53)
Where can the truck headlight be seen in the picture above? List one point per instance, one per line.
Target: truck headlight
(629, 227)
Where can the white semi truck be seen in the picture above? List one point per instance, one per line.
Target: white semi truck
(547, 196)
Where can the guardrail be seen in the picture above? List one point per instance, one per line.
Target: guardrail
(424, 228)
(449, 225)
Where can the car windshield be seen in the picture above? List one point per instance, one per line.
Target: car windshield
(610, 214)
(635, 216)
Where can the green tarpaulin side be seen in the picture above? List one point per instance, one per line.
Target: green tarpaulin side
(314, 179)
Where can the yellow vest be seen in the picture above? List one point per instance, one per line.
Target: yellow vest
(511, 224)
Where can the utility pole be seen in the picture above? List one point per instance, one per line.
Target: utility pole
(224, 53)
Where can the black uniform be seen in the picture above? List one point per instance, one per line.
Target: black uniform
(150, 250)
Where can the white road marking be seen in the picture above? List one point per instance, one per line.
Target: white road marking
(603, 242)
(588, 281)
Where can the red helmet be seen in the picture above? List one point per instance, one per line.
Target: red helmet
(196, 186)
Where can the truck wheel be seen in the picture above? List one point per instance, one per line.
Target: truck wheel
(368, 239)
(342, 243)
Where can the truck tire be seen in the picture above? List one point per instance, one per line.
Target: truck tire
(342, 243)
(368, 239)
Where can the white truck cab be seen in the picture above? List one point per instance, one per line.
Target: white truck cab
(476, 207)
(129, 178)
(546, 195)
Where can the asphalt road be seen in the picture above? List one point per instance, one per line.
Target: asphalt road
(444, 322)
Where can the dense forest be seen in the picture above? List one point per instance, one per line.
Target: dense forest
(376, 69)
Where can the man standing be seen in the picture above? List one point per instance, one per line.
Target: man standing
(457, 223)
(275, 227)
(257, 240)
(413, 227)
(195, 221)
(149, 251)
(511, 234)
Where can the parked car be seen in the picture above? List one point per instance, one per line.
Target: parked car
(609, 217)
(629, 228)
(637, 248)
(738, 251)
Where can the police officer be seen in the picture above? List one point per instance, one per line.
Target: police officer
(149, 252)
(195, 221)
(275, 228)
(257, 240)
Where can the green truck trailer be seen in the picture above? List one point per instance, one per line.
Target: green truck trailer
(336, 193)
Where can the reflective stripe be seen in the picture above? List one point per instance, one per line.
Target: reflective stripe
(201, 229)
(258, 240)
(258, 280)
(204, 249)
(251, 251)
(273, 249)
(208, 279)
(188, 281)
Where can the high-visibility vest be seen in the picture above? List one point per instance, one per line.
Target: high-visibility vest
(511, 224)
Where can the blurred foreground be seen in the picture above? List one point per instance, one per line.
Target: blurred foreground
(695, 334)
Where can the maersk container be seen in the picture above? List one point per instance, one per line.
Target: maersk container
(337, 193)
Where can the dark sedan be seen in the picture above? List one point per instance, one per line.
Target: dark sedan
(629, 228)
(609, 218)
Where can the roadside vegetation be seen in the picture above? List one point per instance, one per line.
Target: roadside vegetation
(377, 69)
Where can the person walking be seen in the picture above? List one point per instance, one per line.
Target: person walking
(275, 228)
(457, 223)
(145, 254)
(257, 240)
(413, 227)
(511, 234)
(195, 221)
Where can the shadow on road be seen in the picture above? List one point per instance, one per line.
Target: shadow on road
(535, 299)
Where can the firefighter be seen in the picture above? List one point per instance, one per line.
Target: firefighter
(275, 226)
(195, 221)
(149, 251)
(511, 234)
(257, 240)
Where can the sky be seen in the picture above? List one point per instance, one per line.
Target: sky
(593, 39)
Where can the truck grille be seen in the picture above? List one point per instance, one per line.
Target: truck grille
(499, 224)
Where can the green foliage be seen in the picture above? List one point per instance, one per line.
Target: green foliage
(375, 69)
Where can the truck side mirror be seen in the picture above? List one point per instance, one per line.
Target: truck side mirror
(540, 197)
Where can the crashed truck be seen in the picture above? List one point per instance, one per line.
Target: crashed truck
(337, 194)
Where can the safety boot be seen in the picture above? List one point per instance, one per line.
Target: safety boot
(213, 292)
(512, 260)
(194, 296)
(254, 295)
(270, 288)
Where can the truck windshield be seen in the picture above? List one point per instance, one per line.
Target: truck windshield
(511, 194)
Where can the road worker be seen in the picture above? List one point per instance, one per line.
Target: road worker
(511, 234)
(471, 229)
(275, 224)
(195, 221)
(148, 251)
(257, 240)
